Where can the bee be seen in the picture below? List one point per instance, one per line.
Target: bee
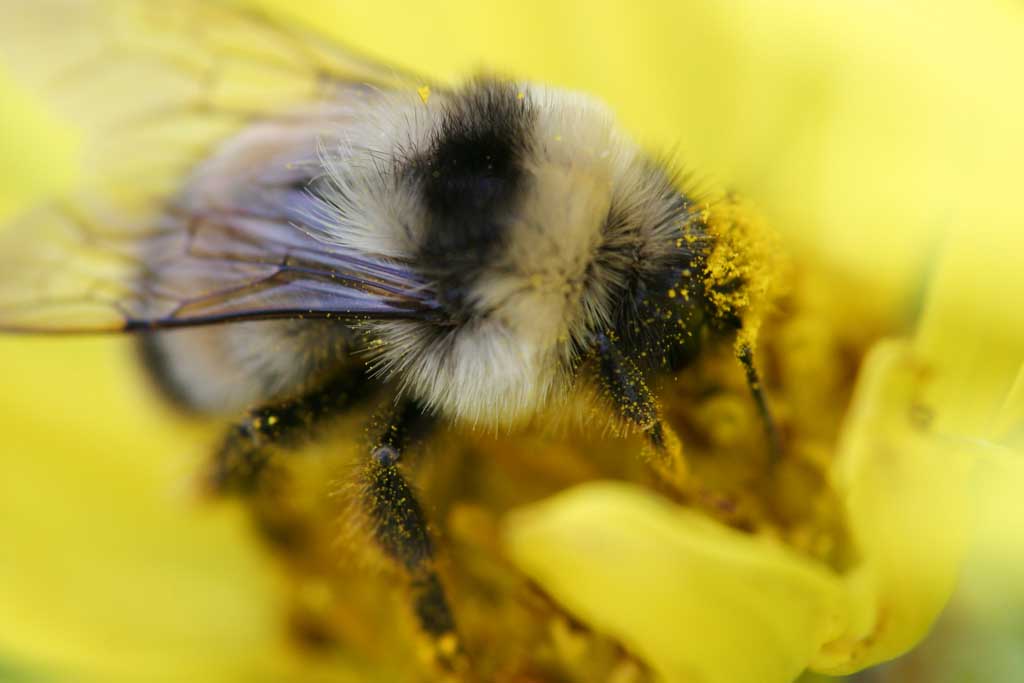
(344, 230)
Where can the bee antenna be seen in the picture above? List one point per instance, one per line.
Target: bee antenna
(745, 355)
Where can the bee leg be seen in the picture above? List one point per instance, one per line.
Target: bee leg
(745, 355)
(241, 463)
(399, 526)
(624, 386)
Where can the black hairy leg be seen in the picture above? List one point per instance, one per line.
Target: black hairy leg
(625, 388)
(241, 463)
(746, 357)
(399, 525)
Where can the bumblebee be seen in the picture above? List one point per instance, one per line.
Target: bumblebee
(346, 232)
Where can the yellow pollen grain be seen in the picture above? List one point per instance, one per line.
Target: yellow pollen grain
(520, 95)
(671, 294)
(424, 92)
(448, 644)
(272, 420)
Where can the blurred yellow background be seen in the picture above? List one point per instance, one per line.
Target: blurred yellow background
(885, 138)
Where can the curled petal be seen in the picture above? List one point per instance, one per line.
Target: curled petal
(698, 601)
(906, 493)
(688, 594)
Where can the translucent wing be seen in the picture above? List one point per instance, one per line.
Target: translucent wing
(154, 86)
(190, 269)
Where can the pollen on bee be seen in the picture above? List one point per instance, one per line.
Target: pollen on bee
(448, 644)
(669, 460)
(424, 93)
(671, 294)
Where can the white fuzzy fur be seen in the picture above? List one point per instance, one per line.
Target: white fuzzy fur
(504, 368)
(494, 371)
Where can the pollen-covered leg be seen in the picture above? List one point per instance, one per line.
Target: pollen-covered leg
(624, 386)
(241, 463)
(399, 526)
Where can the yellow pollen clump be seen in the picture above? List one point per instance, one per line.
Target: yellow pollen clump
(743, 267)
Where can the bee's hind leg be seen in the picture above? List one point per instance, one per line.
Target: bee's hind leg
(242, 462)
(395, 517)
(399, 526)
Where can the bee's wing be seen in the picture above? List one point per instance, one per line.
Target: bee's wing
(190, 269)
(153, 86)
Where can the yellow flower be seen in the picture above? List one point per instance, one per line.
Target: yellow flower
(890, 157)
(882, 142)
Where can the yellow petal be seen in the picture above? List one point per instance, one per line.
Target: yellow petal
(972, 334)
(997, 551)
(110, 571)
(685, 592)
(906, 494)
(697, 600)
